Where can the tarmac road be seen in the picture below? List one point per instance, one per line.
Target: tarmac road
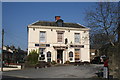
(82, 71)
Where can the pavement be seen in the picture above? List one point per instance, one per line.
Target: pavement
(70, 71)
(13, 67)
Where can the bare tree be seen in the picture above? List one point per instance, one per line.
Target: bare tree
(99, 39)
(119, 24)
(103, 19)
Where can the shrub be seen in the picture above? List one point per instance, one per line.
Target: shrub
(32, 58)
(53, 62)
(67, 62)
(29, 65)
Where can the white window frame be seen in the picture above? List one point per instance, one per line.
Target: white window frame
(77, 37)
(44, 39)
(62, 37)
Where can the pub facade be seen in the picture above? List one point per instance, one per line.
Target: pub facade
(59, 41)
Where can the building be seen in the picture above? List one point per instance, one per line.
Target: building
(59, 41)
(13, 55)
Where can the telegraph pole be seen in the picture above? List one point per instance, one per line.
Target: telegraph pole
(118, 23)
(2, 49)
(119, 31)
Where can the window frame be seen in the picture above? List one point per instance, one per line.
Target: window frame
(48, 57)
(41, 41)
(62, 37)
(77, 54)
(70, 53)
(77, 37)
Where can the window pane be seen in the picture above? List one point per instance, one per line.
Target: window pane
(60, 37)
(42, 50)
(48, 54)
(49, 59)
(70, 54)
(71, 59)
(42, 36)
(77, 54)
(77, 37)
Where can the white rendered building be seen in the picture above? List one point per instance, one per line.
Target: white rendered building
(59, 41)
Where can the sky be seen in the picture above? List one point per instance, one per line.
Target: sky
(16, 16)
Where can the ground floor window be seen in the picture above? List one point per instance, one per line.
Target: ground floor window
(48, 56)
(42, 50)
(70, 55)
(42, 55)
(77, 54)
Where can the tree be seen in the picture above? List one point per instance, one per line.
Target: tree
(19, 48)
(98, 40)
(119, 24)
(12, 47)
(7, 47)
(104, 20)
(33, 57)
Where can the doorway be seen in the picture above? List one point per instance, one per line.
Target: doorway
(60, 56)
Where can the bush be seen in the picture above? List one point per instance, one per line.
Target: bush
(67, 62)
(32, 58)
(53, 62)
(29, 65)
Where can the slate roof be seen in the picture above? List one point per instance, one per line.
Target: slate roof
(48, 23)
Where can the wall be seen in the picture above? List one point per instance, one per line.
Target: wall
(51, 38)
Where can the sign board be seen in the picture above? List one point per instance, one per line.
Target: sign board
(92, 54)
(42, 45)
(78, 46)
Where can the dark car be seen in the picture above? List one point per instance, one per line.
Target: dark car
(42, 64)
(96, 60)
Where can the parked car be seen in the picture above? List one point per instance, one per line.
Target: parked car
(102, 58)
(96, 60)
(42, 64)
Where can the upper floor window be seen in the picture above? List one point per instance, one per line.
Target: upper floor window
(77, 37)
(42, 36)
(60, 37)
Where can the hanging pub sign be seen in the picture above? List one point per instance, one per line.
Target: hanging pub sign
(77, 46)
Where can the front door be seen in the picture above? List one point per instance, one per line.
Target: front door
(60, 56)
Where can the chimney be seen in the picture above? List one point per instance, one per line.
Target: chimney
(57, 18)
(59, 21)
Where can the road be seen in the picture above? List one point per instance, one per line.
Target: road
(82, 71)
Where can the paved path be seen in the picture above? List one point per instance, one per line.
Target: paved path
(83, 71)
